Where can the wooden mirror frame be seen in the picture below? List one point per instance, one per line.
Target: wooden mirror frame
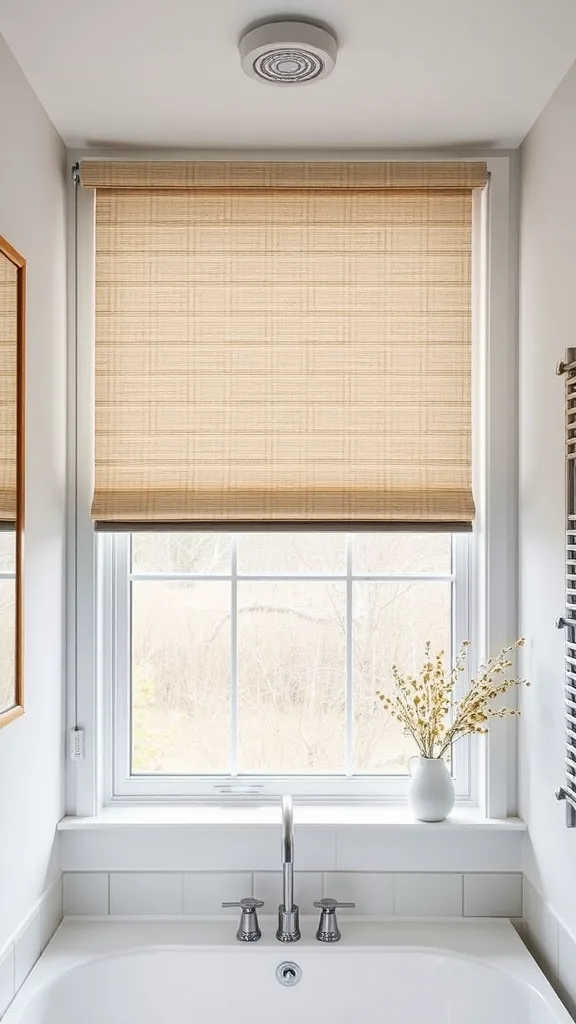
(20, 263)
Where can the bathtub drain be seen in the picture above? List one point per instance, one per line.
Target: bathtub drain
(288, 973)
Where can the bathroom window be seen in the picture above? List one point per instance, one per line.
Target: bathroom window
(339, 343)
(245, 659)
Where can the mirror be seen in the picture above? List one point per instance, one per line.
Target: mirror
(12, 321)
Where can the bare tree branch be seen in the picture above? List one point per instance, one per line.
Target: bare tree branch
(271, 609)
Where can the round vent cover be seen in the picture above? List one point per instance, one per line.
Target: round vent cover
(288, 53)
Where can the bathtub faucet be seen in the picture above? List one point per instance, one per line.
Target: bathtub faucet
(288, 923)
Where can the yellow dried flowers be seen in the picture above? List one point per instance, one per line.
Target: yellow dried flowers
(426, 707)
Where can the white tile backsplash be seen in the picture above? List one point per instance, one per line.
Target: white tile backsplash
(7, 987)
(205, 892)
(22, 952)
(493, 895)
(143, 892)
(51, 912)
(397, 849)
(567, 968)
(551, 944)
(307, 889)
(253, 848)
(372, 892)
(542, 930)
(427, 895)
(86, 892)
(27, 949)
(382, 894)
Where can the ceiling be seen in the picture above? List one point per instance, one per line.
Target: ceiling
(410, 73)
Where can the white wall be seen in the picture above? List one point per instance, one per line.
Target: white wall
(547, 327)
(32, 218)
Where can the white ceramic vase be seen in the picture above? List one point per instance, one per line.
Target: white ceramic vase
(431, 790)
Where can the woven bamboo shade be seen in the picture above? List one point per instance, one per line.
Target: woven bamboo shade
(283, 344)
(8, 389)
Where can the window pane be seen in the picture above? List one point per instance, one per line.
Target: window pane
(181, 552)
(392, 622)
(7, 551)
(291, 651)
(180, 677)
(402, 552)
(291, 553)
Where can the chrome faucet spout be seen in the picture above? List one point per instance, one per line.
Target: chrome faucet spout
(287, 830)
(288, 887)
(288, 925)
(287, 852)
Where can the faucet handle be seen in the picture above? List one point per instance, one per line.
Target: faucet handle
(331, 905)
(328, 930)
(247, 903)
(249, 929)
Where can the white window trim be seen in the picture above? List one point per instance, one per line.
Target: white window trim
(494, 560)
(114, 576)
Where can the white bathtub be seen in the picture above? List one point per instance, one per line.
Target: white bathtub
(192, 972)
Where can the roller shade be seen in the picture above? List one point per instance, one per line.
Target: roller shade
(283, 344)
(217, 174)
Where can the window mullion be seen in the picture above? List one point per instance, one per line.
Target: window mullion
(234, 660)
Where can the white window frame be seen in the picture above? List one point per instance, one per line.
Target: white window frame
(114, 577)
(493, 560)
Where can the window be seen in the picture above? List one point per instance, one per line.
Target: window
(246, 659)
(143, 477)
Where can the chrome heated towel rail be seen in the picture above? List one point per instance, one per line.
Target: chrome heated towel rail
(567, 622)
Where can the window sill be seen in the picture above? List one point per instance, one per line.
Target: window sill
(306, 816)
(212, 838)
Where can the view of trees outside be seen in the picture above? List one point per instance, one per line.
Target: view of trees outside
(7, 618)
(291, 648)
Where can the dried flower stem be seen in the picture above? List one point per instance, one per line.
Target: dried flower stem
(425, 705)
